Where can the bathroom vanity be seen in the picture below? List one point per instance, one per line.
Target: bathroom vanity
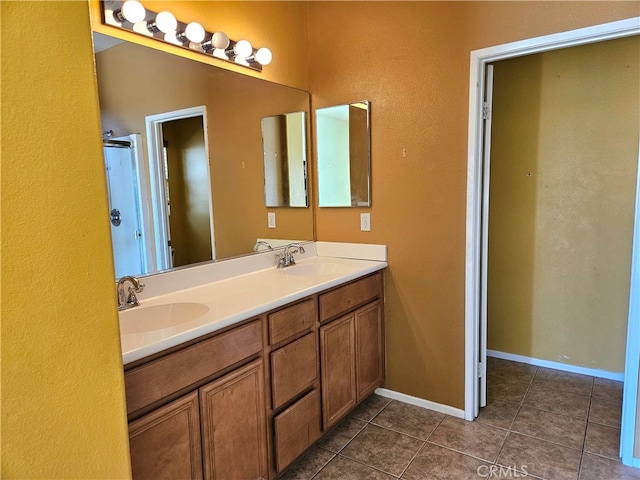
(249, 397)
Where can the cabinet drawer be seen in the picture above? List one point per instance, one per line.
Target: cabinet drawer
(345, 298)
(296, 429)
(155, 380)
(293, 368)
(292, 320)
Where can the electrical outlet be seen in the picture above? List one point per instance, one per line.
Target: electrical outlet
(365, 222)
(271, 219)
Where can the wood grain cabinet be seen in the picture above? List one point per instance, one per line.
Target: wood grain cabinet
(244, 403)
(217, 429)
(351, 346)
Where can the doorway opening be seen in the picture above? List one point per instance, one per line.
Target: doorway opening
(477, 213)
(180, 178)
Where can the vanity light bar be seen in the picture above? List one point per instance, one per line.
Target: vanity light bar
(131, 15)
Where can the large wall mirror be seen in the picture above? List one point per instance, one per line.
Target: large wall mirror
(184, 158)
(343, 155)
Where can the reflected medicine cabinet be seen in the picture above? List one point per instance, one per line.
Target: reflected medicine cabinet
(284, 146)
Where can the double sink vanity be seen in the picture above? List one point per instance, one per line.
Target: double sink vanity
(234, 369)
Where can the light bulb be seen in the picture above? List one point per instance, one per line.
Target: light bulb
(194, 32)
(243, 48)
(166, 22)
(220, 40)
(263, 56)
(132, 11)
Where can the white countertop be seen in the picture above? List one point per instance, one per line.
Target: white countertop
(237, 298)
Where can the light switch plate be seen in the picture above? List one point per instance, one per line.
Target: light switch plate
(365, 222)
(271, 219)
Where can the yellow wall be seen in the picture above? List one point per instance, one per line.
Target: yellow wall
(563, 169)
(411, 59)
(63, 407)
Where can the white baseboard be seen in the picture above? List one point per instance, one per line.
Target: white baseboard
(420, 402)
(594, 372)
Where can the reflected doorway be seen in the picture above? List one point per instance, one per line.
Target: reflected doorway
(181, 187)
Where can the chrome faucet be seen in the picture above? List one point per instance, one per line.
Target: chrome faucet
(129, 300)
(286, 259)
(261, 243)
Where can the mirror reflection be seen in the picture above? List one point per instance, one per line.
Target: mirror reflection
(195, 188)
(343, 155)
(285, 160)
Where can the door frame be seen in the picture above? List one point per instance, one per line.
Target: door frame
(475, 255)
(157, 176)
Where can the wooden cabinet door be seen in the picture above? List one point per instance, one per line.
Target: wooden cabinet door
(337, 354)
(233, 425)
(369, 349)
(165, 444)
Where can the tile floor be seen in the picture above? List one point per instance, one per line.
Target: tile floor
(539, 423)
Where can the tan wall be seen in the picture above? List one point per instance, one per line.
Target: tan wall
(563, 169)
(63, 406)
(411, 59)
(235, 106)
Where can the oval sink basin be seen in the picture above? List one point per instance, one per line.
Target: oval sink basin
(157, 317)
(315, 269)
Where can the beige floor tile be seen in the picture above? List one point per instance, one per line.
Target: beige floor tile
(498, 413)
(370, 407)
(553, 427)
(520, 372)
(609, 389)
(382, 449)
(342, 434)
(540, 458)
(564, 381)
(472, 438)
(556, 401)
(308, 465)
(504, 389)
(600, 468)
(409, 419)
(605, 412)
(341, 468)
(602, 440)
(437, 463)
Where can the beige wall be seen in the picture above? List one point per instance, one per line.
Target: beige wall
(411, 59)
(235, 106)
(563, 169)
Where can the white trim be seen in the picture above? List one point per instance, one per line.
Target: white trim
(356, 251)
(420, 402)
(479, 58)
(630, 422)
(538, 362)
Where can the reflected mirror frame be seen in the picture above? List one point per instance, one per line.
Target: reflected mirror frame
(341, 172)
(281, 187)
